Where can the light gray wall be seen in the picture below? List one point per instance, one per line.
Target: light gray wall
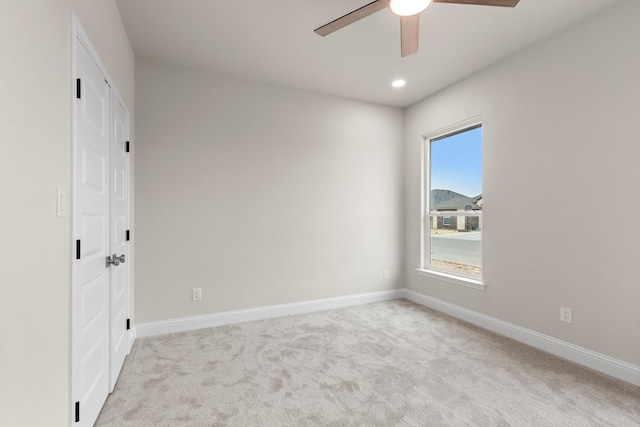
(260, 195)
(561, 177)
(35, 147)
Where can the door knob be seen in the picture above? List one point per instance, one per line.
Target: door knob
(114, 260)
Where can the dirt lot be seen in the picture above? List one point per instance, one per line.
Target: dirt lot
(471, 270)
(442, 231)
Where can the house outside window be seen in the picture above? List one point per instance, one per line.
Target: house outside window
(452, 204)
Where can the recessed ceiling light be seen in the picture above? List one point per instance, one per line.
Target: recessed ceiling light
(398, 83)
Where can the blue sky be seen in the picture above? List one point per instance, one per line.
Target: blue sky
(456, 163)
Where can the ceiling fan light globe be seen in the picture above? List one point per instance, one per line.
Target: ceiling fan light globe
(408, 7)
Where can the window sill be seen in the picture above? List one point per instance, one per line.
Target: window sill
(457, 280)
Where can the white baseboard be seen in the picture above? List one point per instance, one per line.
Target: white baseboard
(599, 362)
(260, 313)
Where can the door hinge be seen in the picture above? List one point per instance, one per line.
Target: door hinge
(128, 324)
(77, 412)
(126, 147)
(78, 88)
(77, 249)
(127, 235)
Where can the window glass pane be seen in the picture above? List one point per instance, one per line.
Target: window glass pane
(456, 169)
(455, 251)
(455, 185)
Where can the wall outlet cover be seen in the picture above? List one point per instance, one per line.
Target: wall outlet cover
(565, 315)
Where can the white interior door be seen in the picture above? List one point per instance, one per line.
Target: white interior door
(119, 172)
(90, 228)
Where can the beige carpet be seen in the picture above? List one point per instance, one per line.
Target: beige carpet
(385, 364)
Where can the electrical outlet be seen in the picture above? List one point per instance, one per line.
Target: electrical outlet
(565, 314)
(196, 294)
(385, 274)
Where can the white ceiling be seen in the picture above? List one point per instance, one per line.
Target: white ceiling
(273, 41)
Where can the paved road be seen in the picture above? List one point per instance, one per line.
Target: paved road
(464, 248)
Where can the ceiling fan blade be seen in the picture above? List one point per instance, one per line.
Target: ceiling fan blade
(504, 3)
(352, 17)
(409, 34)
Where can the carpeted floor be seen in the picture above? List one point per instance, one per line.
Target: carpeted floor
(393, 363)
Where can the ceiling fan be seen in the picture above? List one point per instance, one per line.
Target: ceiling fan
(409, 13)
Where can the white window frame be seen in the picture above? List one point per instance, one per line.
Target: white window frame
(426, 269)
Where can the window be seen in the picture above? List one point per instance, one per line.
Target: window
(452, 201)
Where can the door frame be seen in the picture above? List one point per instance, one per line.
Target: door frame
(79, 36)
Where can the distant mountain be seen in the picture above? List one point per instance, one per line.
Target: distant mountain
(450, 200)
